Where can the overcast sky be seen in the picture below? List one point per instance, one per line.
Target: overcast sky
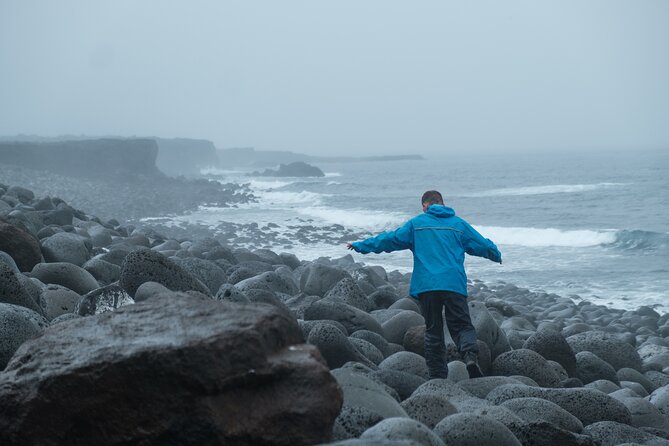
(344, 77)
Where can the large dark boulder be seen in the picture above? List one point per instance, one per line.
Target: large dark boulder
(552, 345)
(150, 266)
(65, 247)
(66, 274)
(23, 247)
(195, 372)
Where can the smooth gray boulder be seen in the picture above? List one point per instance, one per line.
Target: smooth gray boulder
(403, 383)
(402, 429)
(210, 274)
(406, 362)
(528, 363)
(376, 339)
(487, 329)
(537, 409)
(16, 327)
(428, 408)
(352, 318)
(57, 300)
(627, 374)
(65, 247)
(553, 346)
(317, 279)
(335, 346)
(466, 429)
(608, 347)
(269, 281)
(149, 266)
(660, 399)
(348, 291)
(66, 274)
(396, 327)
(367, 349)
(104, 272)
(365, 404)
(13, 292)
(611, 433)
(481, 387)
(590, 367)
(230, 293)
(588, 405)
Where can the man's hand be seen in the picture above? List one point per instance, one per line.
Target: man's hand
(350, 246)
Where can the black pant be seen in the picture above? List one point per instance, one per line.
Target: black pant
(435, 305)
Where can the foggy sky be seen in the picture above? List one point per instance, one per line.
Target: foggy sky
(343, 77)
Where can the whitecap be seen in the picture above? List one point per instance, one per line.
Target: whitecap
(357, 219)
(332, 174)
(540, 190)
(543, 237)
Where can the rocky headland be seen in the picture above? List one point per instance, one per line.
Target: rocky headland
(115, 333)
(112, 177)
(296, 169)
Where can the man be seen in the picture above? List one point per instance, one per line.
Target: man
(439, 240)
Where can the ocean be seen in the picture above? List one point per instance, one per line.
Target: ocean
(590, 226)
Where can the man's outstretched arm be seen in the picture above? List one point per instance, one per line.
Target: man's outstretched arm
(401, 238)
(477, 245)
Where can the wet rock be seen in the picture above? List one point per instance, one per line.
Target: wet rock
(13, 292)
(149, 266)
(382, 298)
(317, 279)
(627, 374)
(475, 430)
(335, 346)
(537, 409)
(20, 245)
(104, 272)
(588, 405)
(85, 363)
(210, 274)
(481, 387)
(402, 429)
(365, 404)
(402, 382)
(367, 349)
(589, 368)
(552, 345)
(102, 300)
(607, 347)
(231, 293)
(374, 338)
(610, 433)
(66, 274)
(397, 326)
(487, 329)
(352, 318)
(269, 281)
(406, 362)
(428, 408)
(17, 326)
(57, 300)
(350, 293)
(526, 362)
(65, 247)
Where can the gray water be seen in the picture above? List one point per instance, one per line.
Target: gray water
(589, 226)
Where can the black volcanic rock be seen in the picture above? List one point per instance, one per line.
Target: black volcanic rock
(191, 372)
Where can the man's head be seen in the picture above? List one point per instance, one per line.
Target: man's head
(431, 197)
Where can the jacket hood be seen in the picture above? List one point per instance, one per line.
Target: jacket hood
(441, 211)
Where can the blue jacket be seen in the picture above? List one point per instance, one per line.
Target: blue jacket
(439, 240)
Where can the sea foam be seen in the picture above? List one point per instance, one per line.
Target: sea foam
(540, 190)
(544, 237)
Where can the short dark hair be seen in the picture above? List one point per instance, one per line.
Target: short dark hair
(432, 197)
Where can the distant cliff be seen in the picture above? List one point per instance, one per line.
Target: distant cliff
(249, 157)
(93, 157)
(183, 156)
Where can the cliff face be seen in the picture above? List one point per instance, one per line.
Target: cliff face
(183, 156)
(87, 158)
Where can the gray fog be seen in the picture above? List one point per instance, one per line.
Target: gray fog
(341, 77)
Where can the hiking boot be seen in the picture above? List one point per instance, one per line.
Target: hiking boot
(471, 361)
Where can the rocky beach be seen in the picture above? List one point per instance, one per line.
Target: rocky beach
(116, 333)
